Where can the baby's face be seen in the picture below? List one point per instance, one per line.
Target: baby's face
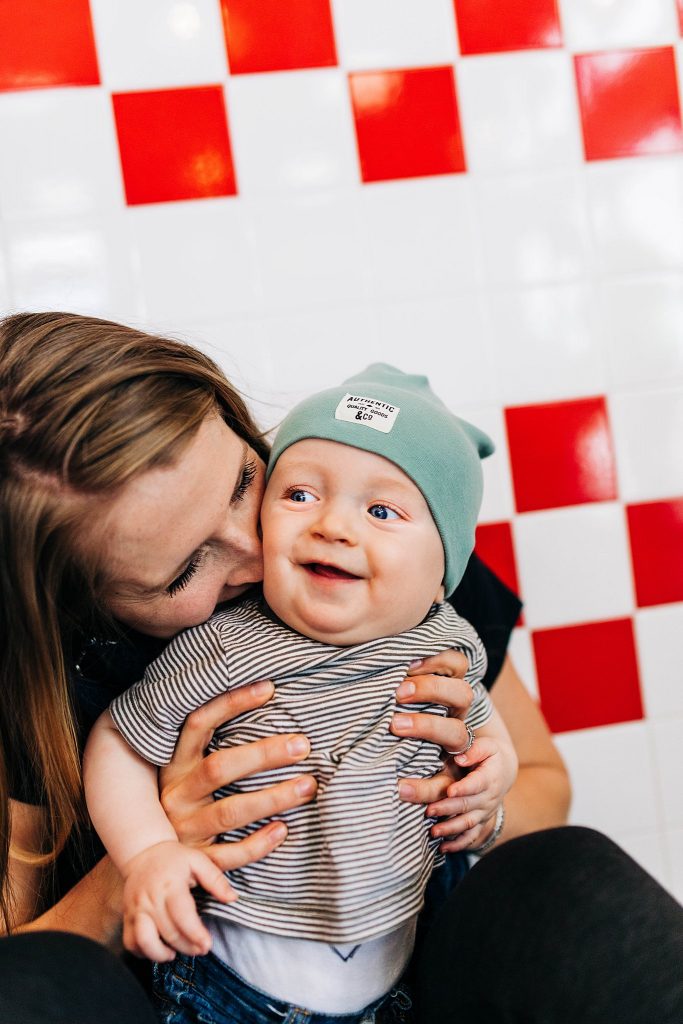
(350, 549)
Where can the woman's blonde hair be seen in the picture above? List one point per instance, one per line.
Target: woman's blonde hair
(85, 405)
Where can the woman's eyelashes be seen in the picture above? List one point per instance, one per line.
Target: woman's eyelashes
(245, 481)
(180, 582)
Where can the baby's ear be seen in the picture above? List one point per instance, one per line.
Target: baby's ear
(440, 595)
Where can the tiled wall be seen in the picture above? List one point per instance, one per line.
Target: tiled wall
(488, 191)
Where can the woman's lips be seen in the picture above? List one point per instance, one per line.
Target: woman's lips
(329, 572)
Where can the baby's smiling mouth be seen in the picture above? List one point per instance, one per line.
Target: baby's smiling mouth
(330, 572)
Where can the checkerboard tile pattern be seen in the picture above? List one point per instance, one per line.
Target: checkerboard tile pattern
(487, 191)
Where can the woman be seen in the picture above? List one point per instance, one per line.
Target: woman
(109, 530)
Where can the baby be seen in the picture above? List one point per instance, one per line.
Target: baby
(373, 491)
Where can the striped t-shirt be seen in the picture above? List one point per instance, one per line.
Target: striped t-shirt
(357, 859)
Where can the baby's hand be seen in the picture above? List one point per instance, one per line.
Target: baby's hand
(471, 804)
(159, 913)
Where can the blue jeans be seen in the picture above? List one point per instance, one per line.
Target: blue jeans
(204, 990)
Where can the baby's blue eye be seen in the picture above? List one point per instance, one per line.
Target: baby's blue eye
(382, 512)
(301, 496)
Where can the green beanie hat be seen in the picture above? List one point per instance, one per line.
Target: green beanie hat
(397, 415)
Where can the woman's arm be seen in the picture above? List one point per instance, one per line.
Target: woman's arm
(541, 795)
(92, 908)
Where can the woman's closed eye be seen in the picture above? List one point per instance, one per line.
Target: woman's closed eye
(181, 581)
(383, 512)
(245, 481)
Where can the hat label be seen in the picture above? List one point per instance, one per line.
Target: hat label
(368, 411)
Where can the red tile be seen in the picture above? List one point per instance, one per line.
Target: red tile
(561, 454)
(495, 546)
(407, 123)
(629, 103)
(275, 36)
(656, 532)
(45, 43)
(174, 144)
(490, 26)
(588, 675)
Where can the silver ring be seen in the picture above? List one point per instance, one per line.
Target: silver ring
(470, 741)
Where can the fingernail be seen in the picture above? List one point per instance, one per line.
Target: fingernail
(406, 790)
(406, 689)
(305, 787)
(461, 758)
(414, 664)
(298, 745)
(277, 832)
(402, 723)
(261, 688)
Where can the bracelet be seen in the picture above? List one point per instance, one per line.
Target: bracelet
(495, 835)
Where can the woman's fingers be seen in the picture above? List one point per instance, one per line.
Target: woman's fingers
(449, 733)
(454, 693)
(475, 837)
(242, 809)
(228, 856)
(424, 791)
(448, 663)
(222, 767)
(200, 726)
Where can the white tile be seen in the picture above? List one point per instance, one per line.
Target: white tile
(613, 782)
(59, 156)
(311, 250)
(608, 24)
(84, 266)
(636, 210)
(647, 849)
(318, 349)
(159, 43)
(667, 740)
(497, 504)
(394, 33)
(519, 111)
(534, 228)
(641, 321)
(292, 130)
(195, 259)
(659, 631)
(422, 236)
(444, 339)
(543, 344)
(647, 429)
(521, 653)
(574, 564)
(673, 843)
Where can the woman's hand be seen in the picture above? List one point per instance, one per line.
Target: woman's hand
(436, 680)
(187, 784)
(469, 810)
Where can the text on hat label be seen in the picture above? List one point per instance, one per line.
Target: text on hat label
(370, 412)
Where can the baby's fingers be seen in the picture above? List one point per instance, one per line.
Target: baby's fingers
(141, 937)
(212, 879)
(188, 934)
